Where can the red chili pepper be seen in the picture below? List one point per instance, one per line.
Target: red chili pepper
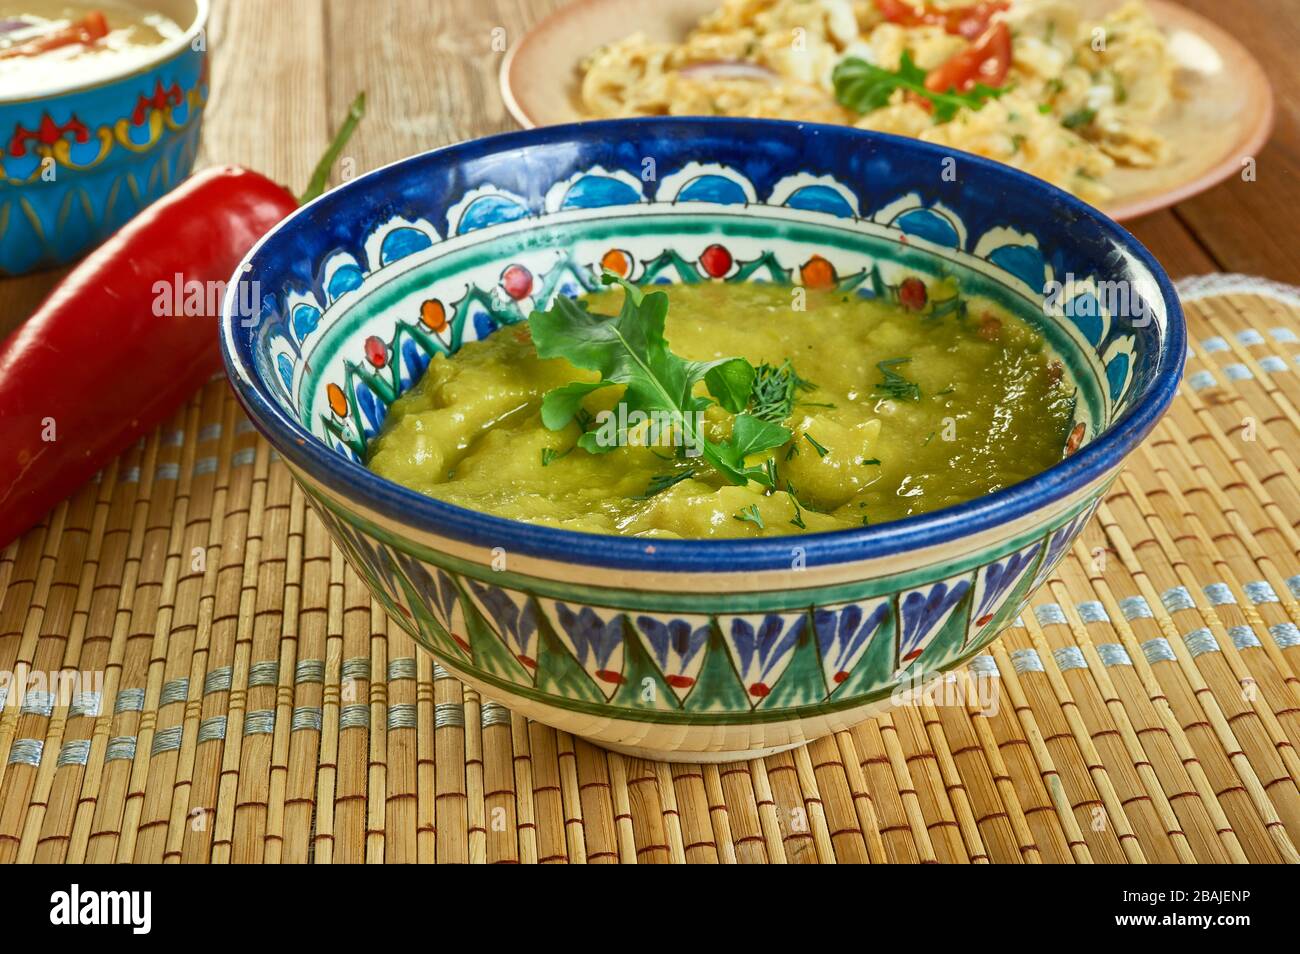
(969, 22)
(93, 26)
(986, 61)
(96, 367)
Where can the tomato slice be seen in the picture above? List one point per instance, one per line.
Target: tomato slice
(986, 61)
(93, 26)
(969, 22)
(902, 13)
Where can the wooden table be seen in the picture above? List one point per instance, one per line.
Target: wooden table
(284, 71)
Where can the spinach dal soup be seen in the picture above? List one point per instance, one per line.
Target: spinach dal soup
(733, 410)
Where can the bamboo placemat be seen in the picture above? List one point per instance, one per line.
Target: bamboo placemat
(255, 706)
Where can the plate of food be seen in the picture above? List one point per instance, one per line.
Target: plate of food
(1112, 100)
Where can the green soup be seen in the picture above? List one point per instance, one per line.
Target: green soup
(891, 413)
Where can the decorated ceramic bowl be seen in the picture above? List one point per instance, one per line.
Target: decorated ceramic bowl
(694, 650)
(79, 159)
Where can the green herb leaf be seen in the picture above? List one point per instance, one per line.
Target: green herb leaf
(894, 385)
(821, 451)
(863, 87)
(661, 482)
(798, 511)
(775, 389)
(1080, 117)
(550, 455)
(561, 405)
(749, 435)
(730, 381)
(630, 349)
(751, 515)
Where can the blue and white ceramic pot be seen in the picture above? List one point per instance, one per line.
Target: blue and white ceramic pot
(78, 160)
(676, 648)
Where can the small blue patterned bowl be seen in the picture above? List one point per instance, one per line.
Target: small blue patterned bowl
(77, 162)
(671, 648)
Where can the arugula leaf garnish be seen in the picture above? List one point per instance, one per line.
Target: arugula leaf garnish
(749, 435)
(863, 87)
(630, 349)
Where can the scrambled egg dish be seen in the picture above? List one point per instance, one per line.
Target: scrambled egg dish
(1026, 82)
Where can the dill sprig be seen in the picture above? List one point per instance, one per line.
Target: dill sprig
(821, 451)
(750, 515)
(798, 511)
(775, 391)
(894, 385)
(661, 482)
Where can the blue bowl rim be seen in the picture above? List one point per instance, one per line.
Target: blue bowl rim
(429, 515)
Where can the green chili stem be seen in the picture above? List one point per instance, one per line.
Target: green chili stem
(321, 174)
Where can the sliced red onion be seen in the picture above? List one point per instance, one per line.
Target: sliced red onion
(728, 69)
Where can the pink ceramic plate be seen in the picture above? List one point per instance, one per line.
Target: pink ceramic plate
(1222, 117)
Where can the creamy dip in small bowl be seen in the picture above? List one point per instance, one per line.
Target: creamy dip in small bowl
(100, 111)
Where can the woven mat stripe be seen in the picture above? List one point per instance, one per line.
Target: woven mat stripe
(256, 706)
(1152, 740)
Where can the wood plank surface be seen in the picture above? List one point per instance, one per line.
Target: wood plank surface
(284, 71)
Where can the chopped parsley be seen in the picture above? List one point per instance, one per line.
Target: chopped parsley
(750, 515)
(1079, 118)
